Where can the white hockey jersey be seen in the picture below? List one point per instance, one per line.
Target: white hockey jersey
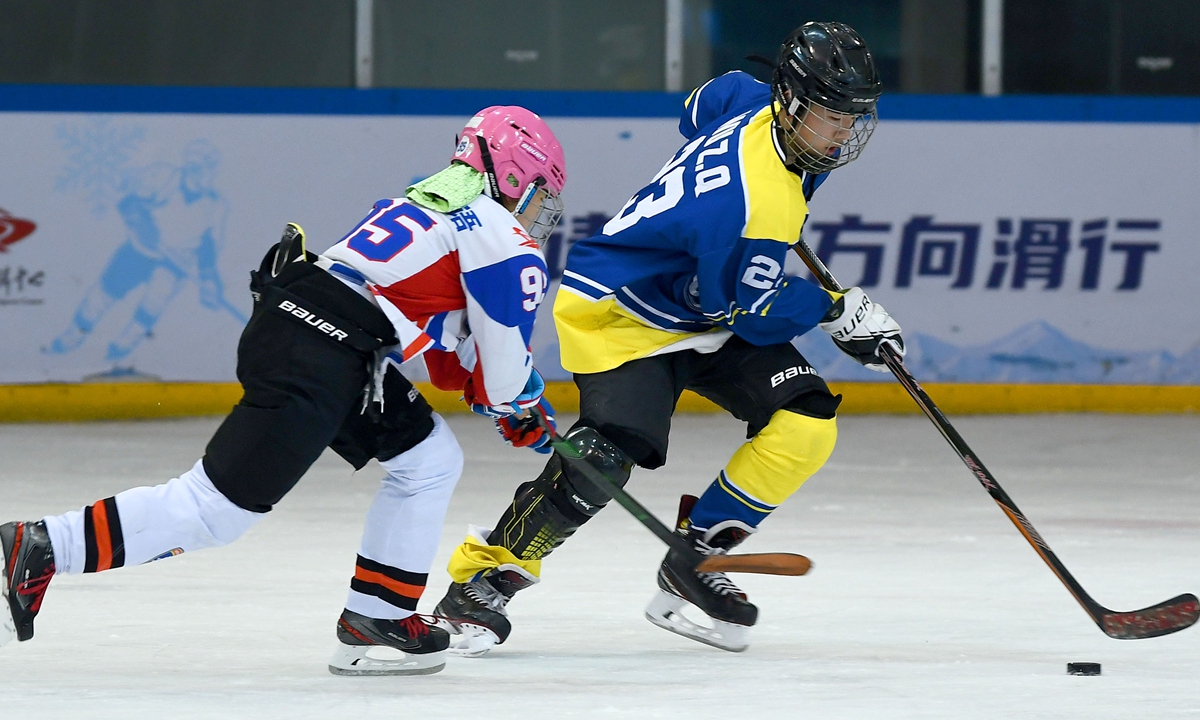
(463, 288)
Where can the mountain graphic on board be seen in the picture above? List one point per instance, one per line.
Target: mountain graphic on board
(1034, 353)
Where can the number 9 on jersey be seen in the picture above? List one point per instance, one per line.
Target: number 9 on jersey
(533, 284)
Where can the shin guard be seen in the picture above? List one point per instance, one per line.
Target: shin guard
(548, 510)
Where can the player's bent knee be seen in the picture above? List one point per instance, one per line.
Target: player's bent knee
(223, 521)
(816, 403)
(577, 490)
(435, 462)
(783, 455)
(258, 454)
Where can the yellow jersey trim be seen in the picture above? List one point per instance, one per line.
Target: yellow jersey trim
(599, 335)
(775, 204)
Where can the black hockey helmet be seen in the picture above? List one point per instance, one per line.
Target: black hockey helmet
(825, 64)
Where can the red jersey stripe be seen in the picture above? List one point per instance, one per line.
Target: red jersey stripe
(435, 289)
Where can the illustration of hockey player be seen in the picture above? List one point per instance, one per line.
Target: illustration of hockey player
(452, 270)
(174, 229)
(685, 289)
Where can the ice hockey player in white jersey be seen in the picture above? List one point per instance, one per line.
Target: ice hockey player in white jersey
(452, 270)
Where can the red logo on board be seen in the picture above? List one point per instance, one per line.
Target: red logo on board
(13, 229)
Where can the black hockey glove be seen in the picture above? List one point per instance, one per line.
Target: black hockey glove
(860, 327)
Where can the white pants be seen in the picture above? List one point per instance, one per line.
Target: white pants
(404, 524)
(188, 513)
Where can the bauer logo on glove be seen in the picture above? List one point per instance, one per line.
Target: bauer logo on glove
(860, 327)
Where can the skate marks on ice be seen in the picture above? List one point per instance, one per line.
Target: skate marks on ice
(923, 601)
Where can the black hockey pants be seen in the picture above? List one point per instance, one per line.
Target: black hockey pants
(304, 362)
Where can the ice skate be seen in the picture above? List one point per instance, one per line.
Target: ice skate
(366, 646)
(730, 612)
(28, 568)
(475, 611)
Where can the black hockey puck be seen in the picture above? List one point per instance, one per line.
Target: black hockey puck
(1083, 668)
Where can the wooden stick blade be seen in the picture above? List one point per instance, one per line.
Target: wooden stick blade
(760, 563)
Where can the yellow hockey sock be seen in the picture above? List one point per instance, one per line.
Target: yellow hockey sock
(475, 555)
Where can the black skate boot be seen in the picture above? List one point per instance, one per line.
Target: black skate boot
(476, 609)
(412, 646)
(28, 567)
(732, 614)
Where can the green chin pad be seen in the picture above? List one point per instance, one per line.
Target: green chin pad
(448, 190)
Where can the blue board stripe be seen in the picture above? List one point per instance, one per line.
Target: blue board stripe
(347, 101)
(329, 101)
(1041, 108)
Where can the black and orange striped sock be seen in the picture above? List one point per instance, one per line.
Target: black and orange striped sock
(102, 536)
(391, 585)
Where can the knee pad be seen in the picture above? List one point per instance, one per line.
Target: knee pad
(435, 462)
(582, 494)
(548, 510)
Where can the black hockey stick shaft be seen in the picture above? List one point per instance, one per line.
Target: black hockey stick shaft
(1162, 619)
(766, 563)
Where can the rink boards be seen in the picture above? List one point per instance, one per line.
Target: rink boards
(1020, 242)
(59, 402)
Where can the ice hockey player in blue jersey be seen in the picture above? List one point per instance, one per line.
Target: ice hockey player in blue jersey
(685, 289)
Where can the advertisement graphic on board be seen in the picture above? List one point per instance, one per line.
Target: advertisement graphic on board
(1008, 252)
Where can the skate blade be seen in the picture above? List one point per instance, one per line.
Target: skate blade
(468, 640)
(355, 660)
(665, 611)
(8, 627)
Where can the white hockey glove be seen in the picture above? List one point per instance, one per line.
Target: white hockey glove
(860, 327)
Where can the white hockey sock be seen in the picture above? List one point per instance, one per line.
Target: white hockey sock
(404, 526)
(147, 523)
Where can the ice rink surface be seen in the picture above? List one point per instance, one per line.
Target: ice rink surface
(924, 601)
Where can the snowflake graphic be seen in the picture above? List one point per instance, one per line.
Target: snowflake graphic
(97, 153)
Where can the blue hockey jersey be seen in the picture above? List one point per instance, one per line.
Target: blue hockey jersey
(697, 255)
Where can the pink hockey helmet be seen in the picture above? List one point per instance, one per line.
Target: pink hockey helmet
(521, 147)
(519, 155)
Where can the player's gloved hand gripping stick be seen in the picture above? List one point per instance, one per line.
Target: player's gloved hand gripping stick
(762, 563)
(1166, 617)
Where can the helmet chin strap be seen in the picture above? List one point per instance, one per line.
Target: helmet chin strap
(489, 170)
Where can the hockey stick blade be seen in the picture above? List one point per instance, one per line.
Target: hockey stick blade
(1163, 619)
(760, 563)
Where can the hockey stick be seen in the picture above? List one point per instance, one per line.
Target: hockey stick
(1161, 619)
(762, 563)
